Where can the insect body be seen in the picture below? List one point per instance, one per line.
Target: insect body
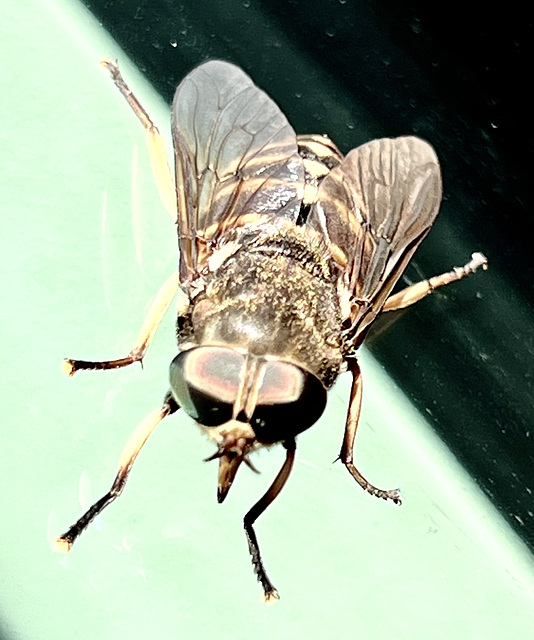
(288, 253)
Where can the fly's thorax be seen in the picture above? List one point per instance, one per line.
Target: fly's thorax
(275, 300)
(259, 346)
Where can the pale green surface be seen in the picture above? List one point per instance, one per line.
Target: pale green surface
(166, 561)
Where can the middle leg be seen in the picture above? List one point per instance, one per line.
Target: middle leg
(347, 448)
(146, 334)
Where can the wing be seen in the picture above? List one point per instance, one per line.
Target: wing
(373, 210)
(236, 161)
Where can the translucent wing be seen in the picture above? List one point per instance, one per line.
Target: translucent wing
(374, 209)
(236, 161)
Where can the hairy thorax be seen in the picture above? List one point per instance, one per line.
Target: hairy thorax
(272, 299)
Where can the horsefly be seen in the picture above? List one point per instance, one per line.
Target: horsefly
(288, 253)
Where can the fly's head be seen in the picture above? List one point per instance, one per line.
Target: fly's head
(244, 401)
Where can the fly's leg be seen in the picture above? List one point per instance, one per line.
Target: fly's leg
(269, 591)
(165, 184)
(156, 148)
(347, 448)
(419, 290)
(144, 338)
(400, 300)
(128, 456)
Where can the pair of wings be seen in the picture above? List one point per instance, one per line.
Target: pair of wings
(237, 165)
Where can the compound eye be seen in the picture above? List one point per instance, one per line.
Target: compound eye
(205, 381)
(290, 401)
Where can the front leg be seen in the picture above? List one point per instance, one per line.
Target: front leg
(134, 445)
(146, 334)
(269, 591)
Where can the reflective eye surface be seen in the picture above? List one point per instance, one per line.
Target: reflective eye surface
(283, 399)
(204, 381)
(290, 401)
